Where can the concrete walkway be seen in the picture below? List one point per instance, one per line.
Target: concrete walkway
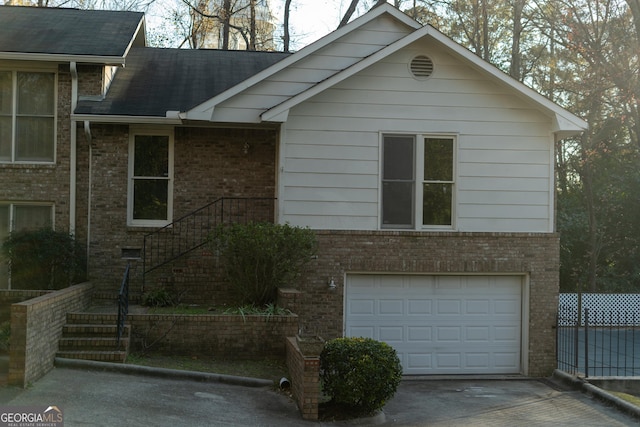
(92, 394)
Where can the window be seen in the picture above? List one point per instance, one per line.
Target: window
(417, 181)
(27, 116)
(150, 179)
(16, 217)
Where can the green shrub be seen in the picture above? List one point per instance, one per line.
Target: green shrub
(44, 259)
(160, 297)
(360, 373)
(257, 258)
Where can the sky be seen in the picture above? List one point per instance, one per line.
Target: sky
(309, 19)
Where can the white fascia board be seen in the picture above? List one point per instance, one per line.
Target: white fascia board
(80, 59)
(209, 105)
(139, 29)
(276, 112)
(155, 120)
(563, 119)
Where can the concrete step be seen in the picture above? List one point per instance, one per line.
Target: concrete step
(92, 318)
(92, 330)
(101, 356)
(92, 343)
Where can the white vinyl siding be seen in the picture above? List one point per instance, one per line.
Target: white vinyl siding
(306, 73)
(504, 149)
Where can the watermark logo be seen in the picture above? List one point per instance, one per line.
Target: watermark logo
(31, 416)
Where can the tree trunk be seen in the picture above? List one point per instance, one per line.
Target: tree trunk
(287, 37)
(515, 69)
(225, 15)
(350, 10)
(252, 25)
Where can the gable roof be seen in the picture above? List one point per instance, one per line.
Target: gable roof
(565, 123)
(56, 34)
(156, 81)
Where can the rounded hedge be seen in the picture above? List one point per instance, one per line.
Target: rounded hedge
(359, 372)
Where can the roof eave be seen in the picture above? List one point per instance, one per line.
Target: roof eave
(62, 58)
(121, 119)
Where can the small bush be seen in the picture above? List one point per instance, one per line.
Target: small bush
(257, 258)
(360, 373)
(44, 259)
(158, 298)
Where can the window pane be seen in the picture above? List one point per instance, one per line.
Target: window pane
(397, 203)
(438, 159)
(31, 217)
(151, 157)
(5, 139)
(398, 157)
(436, 206)
(34, 139)
(6, 106)
(150, 199)
(4, 233)
(36, 93)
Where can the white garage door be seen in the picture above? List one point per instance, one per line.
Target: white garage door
(440, 324)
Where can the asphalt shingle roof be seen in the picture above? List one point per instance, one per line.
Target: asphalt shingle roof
(155, 81)
(58, 31)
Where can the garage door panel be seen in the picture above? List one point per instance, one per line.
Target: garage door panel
(419, 307)
(391, 335)
(359, 307)
(477, 360)
(418, 334)
(448, 307)
(482, 307)
(440, 324)
(391, 307)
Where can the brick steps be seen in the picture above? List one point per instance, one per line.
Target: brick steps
(92, 336)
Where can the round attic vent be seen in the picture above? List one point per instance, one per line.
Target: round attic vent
(421, 67)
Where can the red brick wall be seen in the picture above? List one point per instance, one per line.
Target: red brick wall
(305, 380)
(343, 252)
(208, 164)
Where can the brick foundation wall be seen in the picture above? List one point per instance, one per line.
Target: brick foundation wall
(226, 336)
(341, 252)
(36, 327)
(305, 380)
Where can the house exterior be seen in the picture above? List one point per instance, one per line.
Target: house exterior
(427, 174)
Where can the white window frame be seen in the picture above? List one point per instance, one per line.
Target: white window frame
(169, 132)
(14, 113)
(418, 141)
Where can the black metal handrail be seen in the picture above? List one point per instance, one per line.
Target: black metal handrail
(123, 303)
(193, 230)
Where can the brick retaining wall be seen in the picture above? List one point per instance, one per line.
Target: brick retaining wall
(305, 379)
(36, 327)
(226, 336)
(10, 296)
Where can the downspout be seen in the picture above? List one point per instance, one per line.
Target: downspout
(87, 134)
(73, 159)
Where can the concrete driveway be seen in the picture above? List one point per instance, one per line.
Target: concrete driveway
(103, 398)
